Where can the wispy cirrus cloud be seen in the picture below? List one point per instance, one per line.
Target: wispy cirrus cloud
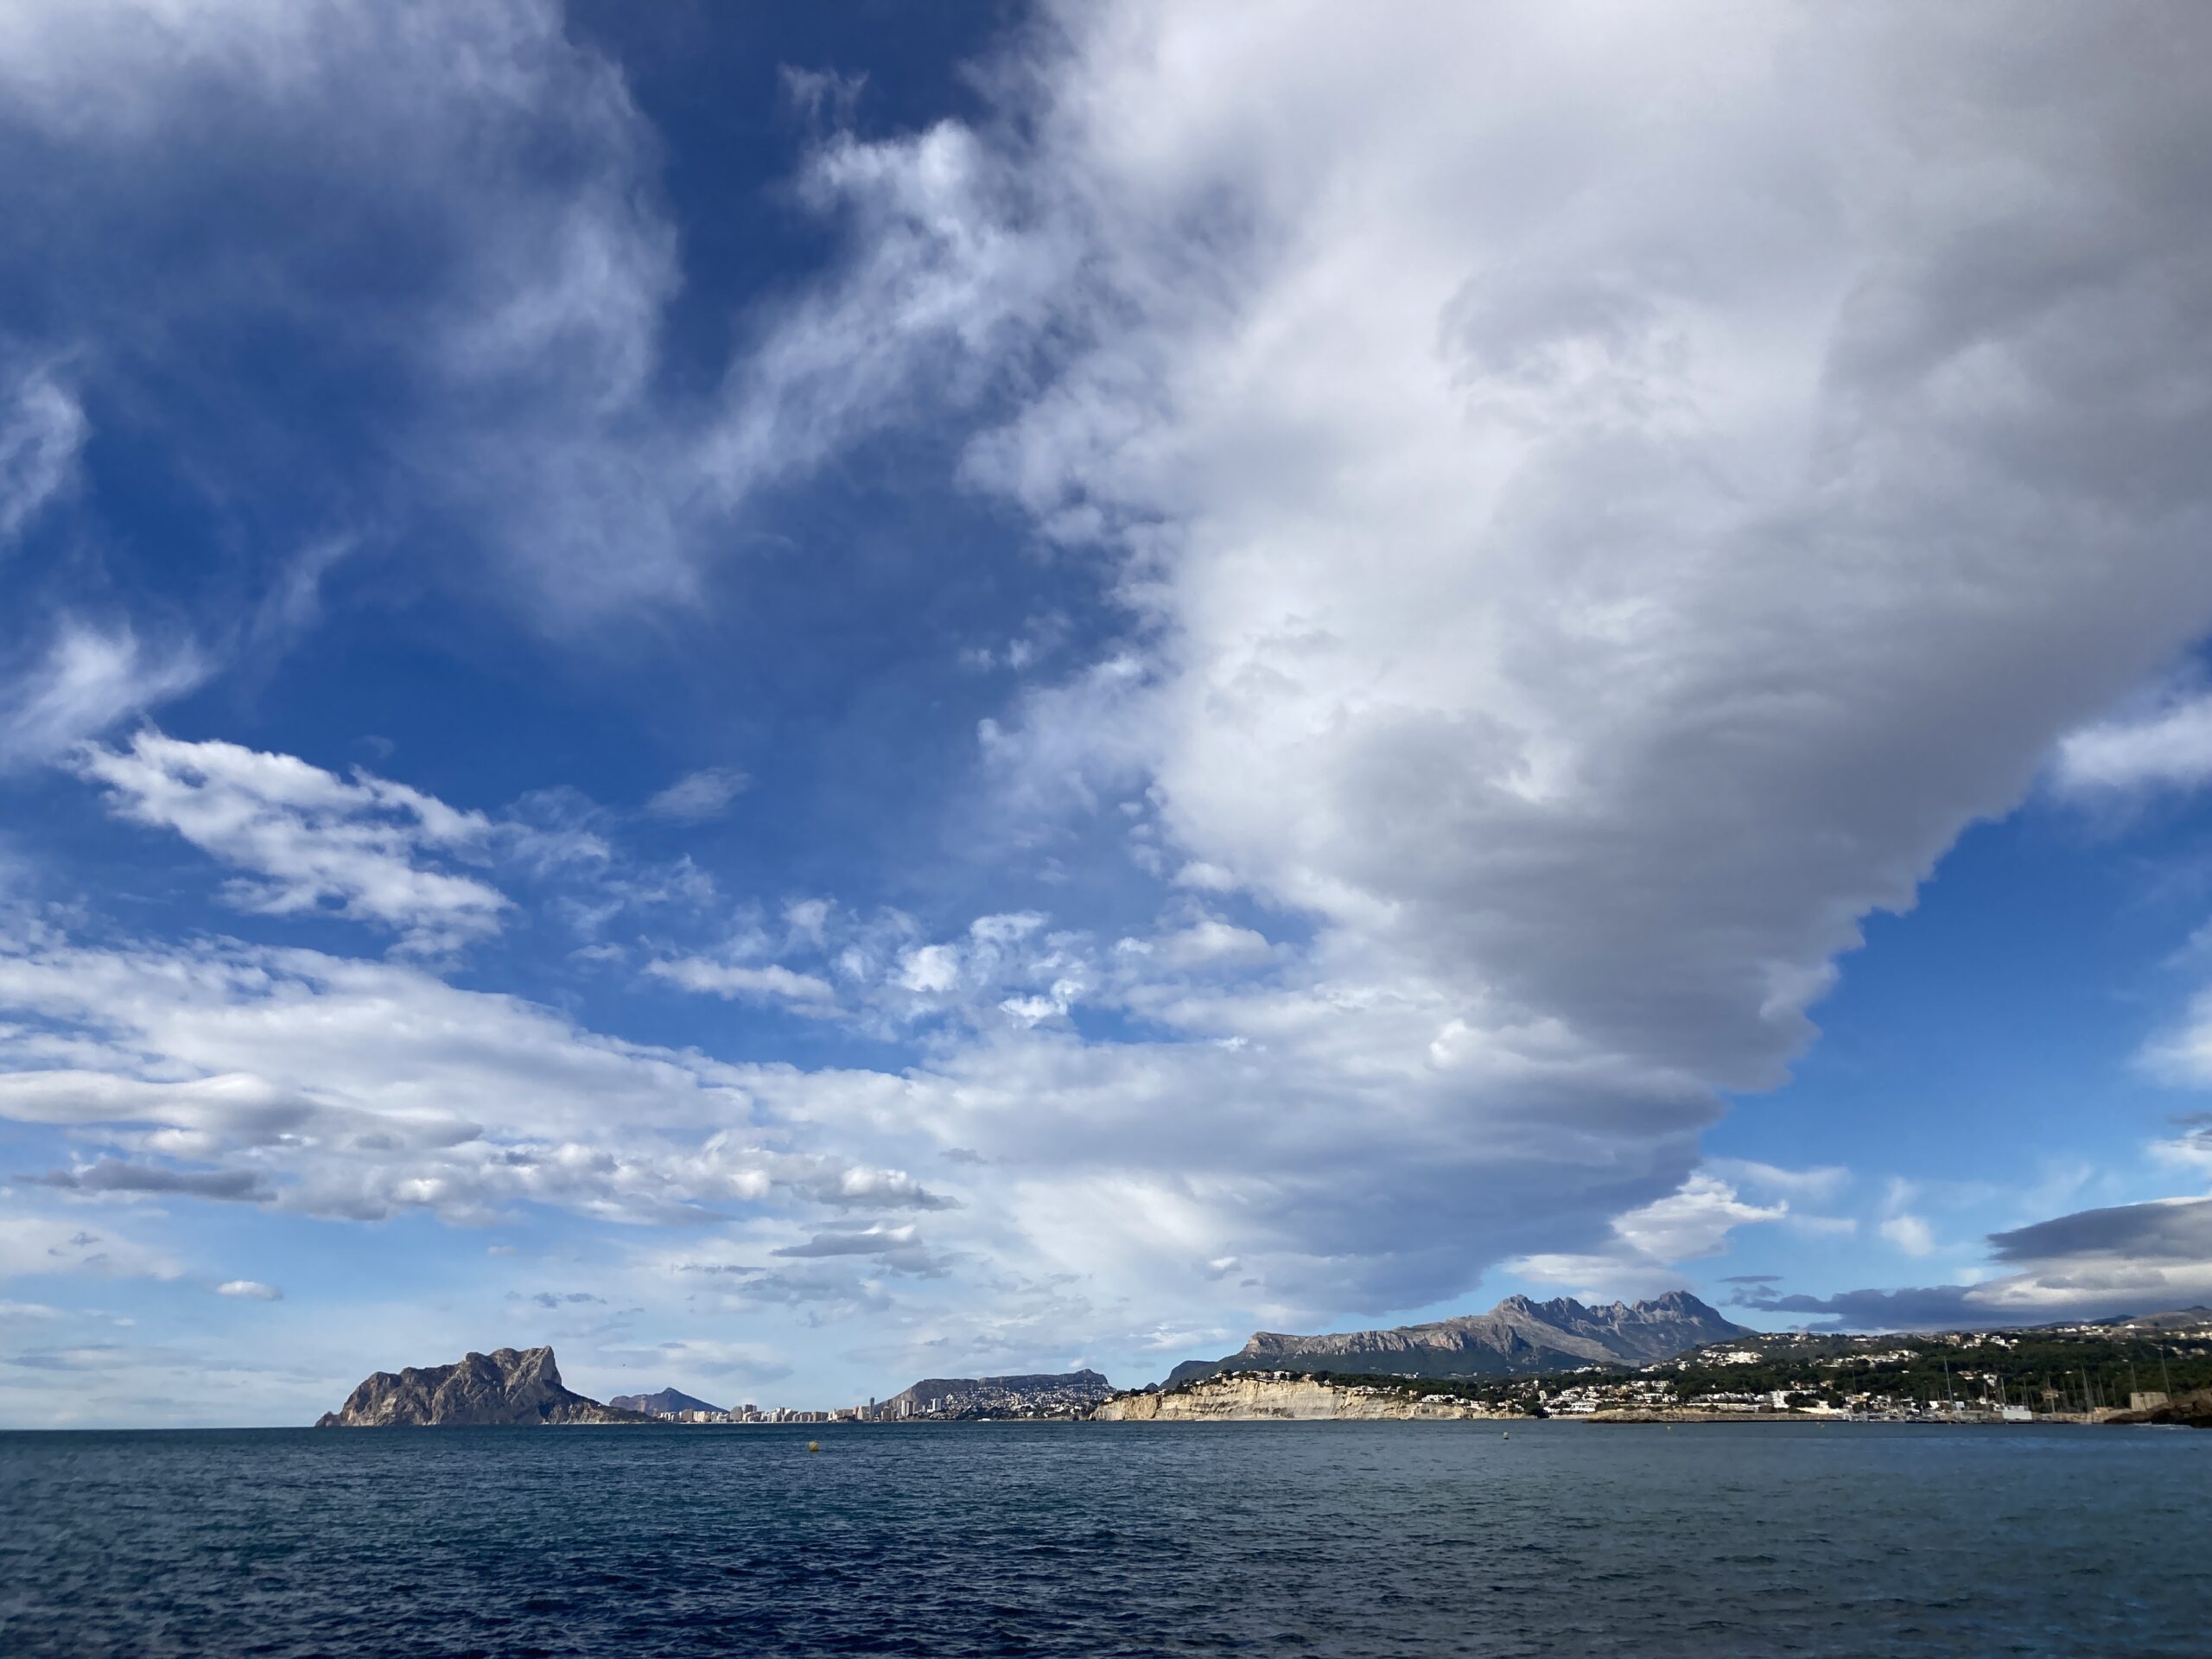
(42, 427)
(89, 677)
(699, 796)
(367, 848)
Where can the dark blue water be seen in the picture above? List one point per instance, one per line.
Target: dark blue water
(1093, 1539)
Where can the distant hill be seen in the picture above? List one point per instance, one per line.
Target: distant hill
(666, 1403)
(2179, 1318)
(503, 1387)
(968, 1397)
(1518, 1338)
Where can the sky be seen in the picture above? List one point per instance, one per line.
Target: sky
(800, 697)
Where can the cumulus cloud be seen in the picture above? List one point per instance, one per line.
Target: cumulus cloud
(251, 1290)
(306, 838)
(1597, 503)
(1575, 588)
(1688, 1225)
(361, 1090)
(2172, 747)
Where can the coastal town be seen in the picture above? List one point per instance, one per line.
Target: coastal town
(2157, 1368)
(1671, 1360)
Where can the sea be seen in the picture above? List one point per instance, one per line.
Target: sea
(1097, 1539)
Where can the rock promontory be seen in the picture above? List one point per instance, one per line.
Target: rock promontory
(507, 1386)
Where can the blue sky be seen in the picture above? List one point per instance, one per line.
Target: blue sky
(801, 696)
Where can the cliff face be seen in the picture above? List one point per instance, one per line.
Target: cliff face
(1246, 1398)
(507, 1386)
(1516, 1337)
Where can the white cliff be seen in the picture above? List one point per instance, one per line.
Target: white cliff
(1248, 1397)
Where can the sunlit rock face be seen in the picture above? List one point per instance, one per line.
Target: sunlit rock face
(1247, 1397)
(507, 1386)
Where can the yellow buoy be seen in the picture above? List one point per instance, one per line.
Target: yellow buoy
(814, 1446)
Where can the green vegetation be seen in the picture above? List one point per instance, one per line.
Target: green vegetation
(2066, 1369)
(2046, 1370)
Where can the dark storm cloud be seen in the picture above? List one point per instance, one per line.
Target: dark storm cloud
(2132, 1258)
(2172, 1232)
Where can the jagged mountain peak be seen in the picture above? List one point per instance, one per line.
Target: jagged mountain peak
(1519, 1336)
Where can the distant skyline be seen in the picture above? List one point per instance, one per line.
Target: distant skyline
(799, 697)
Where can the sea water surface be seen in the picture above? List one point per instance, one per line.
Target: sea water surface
(1099, 1539)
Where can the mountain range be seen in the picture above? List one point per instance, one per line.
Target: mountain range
(1516, 1337)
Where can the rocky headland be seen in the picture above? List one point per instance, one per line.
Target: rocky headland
(507, 1386)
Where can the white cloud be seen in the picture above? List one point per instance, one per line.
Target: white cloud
(2182, 1054)
(252, 1290)
(1572, 490)
(1692, 1223)
(42, 427)
(2172, 747)
(699, 796)
(1209, 942)
(1819, 1185)
(506, 170)
(360, 1089)
(1910, 1234)
(90, 678)
(1571, 514)
(765, 983)
(309, 839)
(2192, 1148)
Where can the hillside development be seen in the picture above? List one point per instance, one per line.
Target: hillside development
(2153, 1368)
